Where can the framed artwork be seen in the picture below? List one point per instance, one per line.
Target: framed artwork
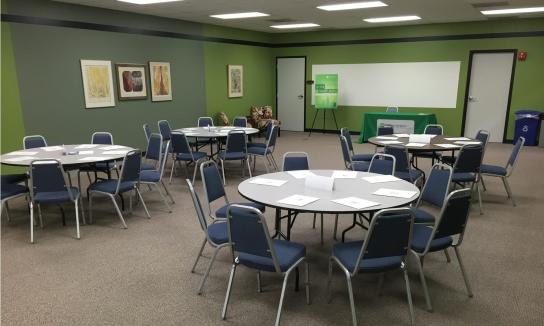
(97, 83)
(161, 81)
(131, 81)
(235, 77)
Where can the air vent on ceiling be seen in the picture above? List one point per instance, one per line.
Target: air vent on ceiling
(281, 20)
(490, 4)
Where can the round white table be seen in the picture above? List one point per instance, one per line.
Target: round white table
(343, 188)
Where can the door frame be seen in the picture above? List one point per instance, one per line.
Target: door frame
(305, 72)
(467, 88)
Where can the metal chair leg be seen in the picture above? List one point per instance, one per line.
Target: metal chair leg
(172, 172)
(448, 259)
(351, 300)
(424, 283)
(118, 211)
(163, 197)
(409, 295)
(307, 277)
(467, 283)
(31, 223)
(479, 198)
(168, 192)
(508, 190)
(90, 199)
(143, 203)
(40, 216)
(205, 277)
(83, 220)
(483, 183)
(77, 219)
(282, 296)
(199, 254)
(248, 167)
(223, 170)
(259, 285)
(229, 288)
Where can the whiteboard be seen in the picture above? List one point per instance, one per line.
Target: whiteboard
(402, 84)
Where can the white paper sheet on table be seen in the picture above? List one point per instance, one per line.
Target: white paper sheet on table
(300, 174)
(52, 148)
(85, 146)
(190, 134)
(22, 153)
(19, 159)
(417, 138)
(357, 203)
(390, 142)
(85, 152)
(381, 178)
(394, 193)
(112, 147)
(467, 142)
(338, 174)
(189, 129)
(319, 182)
(401, 135)
(268, 182)
(93, 158)
(115, 152)
(448, 145)
(298, 200)
(415, 145)
(456, 138)
(386, 137)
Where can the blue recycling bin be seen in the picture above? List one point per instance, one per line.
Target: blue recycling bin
(527, 126)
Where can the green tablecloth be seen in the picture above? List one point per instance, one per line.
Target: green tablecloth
(370, 122)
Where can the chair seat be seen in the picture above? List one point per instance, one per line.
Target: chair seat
(109, 186)
(150, 176)
(348, 252)
(232, 155)
(411, 175)
(187, 157)
(422, 216)
(263, 145)
(420, 238)
(362, 157)
(13, 178)
(218, 232)
(287, 253)
(148, 166)
(493, 169)
(56, 196)
(10, 190)
(463, 177)
(258, 150)
(361, 166)
(222, 212)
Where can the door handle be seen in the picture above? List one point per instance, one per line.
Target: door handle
(471, 99)
(300, 97)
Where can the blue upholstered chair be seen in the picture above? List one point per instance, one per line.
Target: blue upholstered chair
(267, 152)
(482, 135)
(240, 122)
(154, 177)
(402, 164)
(100, 138)
(205, 122)
(214, 190)
(252, 247)
(434, 193)
(385, 130)
(504, 172)
(235, 150)
(383, 164)
(182, 152)
(267, 135)
(34, 141)
(11, 188)
(384, 249)
(50, 186)
(346, 156)
(447, 232)
(354, 157)
(215, 234)
(392, 109)
(466, 169)
(129, 181)
(147, 131)
(166, 132)
(431, 129)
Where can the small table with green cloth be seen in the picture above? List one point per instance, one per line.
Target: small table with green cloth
(371, 121)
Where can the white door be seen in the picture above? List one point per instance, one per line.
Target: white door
(290, 75)
(489, 90)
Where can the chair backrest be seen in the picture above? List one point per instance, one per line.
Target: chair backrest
(469, 159)
(240, 122)
(164, 129)
(295, 161)
(345, 132)
(389, 235)
(382, 164)
(102, 138)
(147, 131)
(248, 233)
(345, 152)
(437, 185)
(236, 141)
(433, 129)
(211, 181)
(47, 175)
(392, 109)
(180, 144)
(198, 207)
(130, 171)
(483, 136)
(453, 217)
(514, 155)
(273, 136)
(385, 130)
(402, 161)
(34, 141)
(205, 121)
(154, 148)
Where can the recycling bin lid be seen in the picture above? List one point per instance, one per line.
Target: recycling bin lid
(528, 114)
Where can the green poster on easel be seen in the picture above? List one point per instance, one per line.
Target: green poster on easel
(326, 91)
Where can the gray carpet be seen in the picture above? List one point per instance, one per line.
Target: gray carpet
(141, 275)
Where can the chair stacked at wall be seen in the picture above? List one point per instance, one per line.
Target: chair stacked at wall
(433, 194)
(432, 129)
(34, 141)
(448, 231)
(402, 164)
(182, 152)
(504, 172)
(11, 188)
(266, 152)
(50, 186)
(467, 169)
(252, 247)
(354, 157)
(346, 157)
(214, 190)
(384, 249)
(482, 135)
(215, 234)
(129, 181)
(235, 150)
(154, 177)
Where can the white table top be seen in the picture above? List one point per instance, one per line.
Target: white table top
(213, 132)
(67, 154)
(357, 187)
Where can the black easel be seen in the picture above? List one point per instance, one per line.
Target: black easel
(315, 116)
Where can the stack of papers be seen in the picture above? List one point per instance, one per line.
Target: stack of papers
(300, 174)
(344, 174)
(417, 138)
(298, 200)
(386, 137)
(381, 178)
(456, 138)
(415, 145)
(52, 148)
(355, 202)
(22, 153)
(394, 193)
(112, 147)
(85, 146)
(390, 142)
(85, 152)
(19, 159)
(268, 182)
(467, 142)
(448, 145)
(319, 182)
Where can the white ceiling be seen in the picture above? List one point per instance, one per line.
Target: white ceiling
(305, 11)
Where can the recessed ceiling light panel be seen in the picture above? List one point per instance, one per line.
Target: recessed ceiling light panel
(391, 19)
(287, 26)
(147, 2)
(353, 5)
(513, 11)
(240, 15)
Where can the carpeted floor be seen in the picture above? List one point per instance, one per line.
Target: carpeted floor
(141, 275)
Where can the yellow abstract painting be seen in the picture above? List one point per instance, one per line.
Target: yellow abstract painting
(97, 83)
